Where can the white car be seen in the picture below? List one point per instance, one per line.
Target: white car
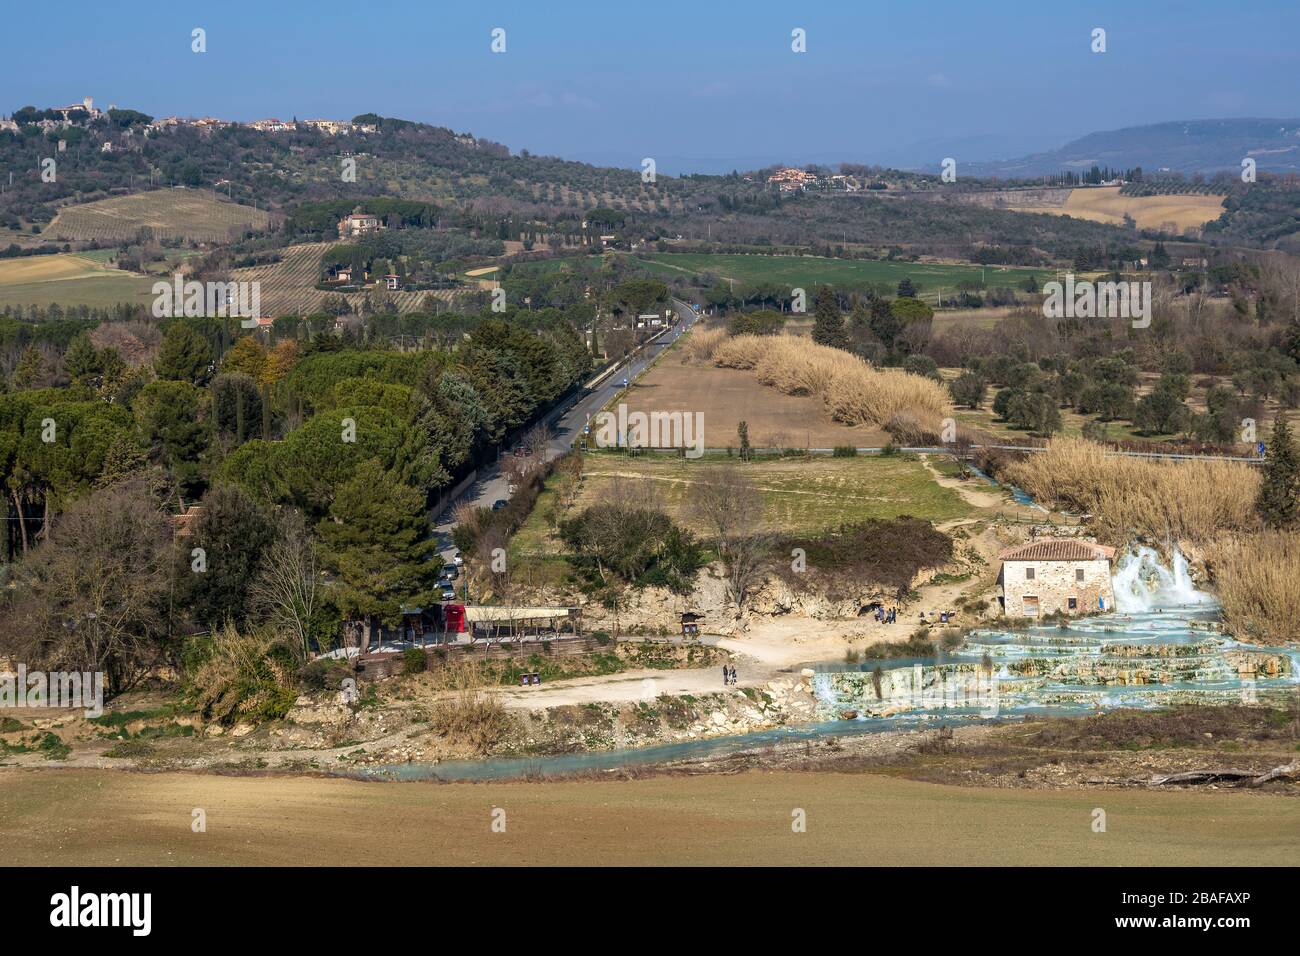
(458, 559)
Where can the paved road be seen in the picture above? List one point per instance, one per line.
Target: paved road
(566, 424)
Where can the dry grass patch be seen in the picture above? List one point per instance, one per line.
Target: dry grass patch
(1195, 501)
(1106, 204)
(1257, 579)
(853, 391)
(700, 344)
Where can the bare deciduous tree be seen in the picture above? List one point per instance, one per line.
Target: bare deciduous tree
(730, 506)
(285, 589)
(536, 440)
(95, 596)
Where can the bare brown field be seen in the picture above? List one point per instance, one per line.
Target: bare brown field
(728, 396)
(172, 214)
(288, 287)
(1105, 204)
(98, 818)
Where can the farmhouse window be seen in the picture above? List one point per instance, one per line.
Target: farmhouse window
(1029, 574)
(1074, 603)
(1030, 604)
(1078, 575)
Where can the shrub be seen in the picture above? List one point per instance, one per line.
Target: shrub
(473, 718)
(888, 552)
(968, 389)
(414, 661)
(232, 676)
(845, 451)
(131, 748)
(324, 673)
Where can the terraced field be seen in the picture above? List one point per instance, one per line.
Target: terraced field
(173, 215)
(288, 287)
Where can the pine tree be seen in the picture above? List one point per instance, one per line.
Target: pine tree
(184, 354)
(828, 325)
(123, 461)
(31, 370)
(81, 360)
(1279, 496)
(378, 540)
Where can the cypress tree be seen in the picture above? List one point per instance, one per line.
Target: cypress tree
(1279, 496)
(828, 326)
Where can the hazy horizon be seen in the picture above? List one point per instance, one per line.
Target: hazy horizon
(893, 85)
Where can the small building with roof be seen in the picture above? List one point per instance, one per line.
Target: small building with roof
(1052, 575)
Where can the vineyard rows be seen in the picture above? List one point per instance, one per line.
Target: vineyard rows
(172, 215)
(288, 287)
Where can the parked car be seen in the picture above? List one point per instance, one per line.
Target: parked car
(458, 559)
(449, 593)
(450, 572)
(499, 504)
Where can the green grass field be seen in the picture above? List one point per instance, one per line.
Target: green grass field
(808, 272)
(69, 280)
(800, 496)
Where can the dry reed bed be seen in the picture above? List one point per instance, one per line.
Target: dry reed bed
(1162, 501)
(853, 391)
(1257, 580)
(699, 344)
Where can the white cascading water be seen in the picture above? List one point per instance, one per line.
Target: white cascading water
(1143, 584)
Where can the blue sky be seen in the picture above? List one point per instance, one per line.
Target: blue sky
(699, 86)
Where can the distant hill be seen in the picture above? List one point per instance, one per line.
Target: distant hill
(1188, 147)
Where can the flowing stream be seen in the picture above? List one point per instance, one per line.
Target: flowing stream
(1161, 645)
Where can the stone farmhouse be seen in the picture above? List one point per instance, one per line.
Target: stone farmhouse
(358, 224)
(1056, 574)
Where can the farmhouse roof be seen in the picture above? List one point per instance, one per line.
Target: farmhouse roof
(183, 524)
(1057, 549)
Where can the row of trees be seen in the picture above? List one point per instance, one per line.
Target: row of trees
(311, 461)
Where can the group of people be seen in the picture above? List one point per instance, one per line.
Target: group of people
(886, 615)
(728, 675)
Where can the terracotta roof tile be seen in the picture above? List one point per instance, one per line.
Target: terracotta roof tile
(1057, 549)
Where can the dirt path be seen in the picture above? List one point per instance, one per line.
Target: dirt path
(86, 817)
(975, 493)
(630, 686)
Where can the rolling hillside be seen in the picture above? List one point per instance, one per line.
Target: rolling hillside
(172, 214)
